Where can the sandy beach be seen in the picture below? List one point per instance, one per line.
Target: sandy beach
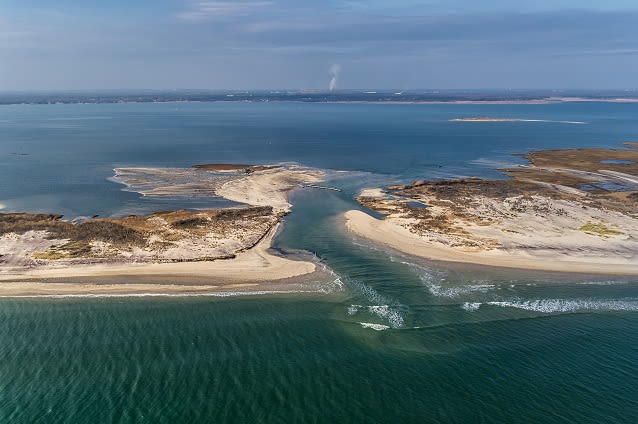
(253, 270)
(177, 252)
(567, 211)
(393, 234)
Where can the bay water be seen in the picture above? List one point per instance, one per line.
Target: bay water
(392, 339)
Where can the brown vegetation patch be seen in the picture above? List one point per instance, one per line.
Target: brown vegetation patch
(591, 160)
(72, 249)
(154, 233)
(533, 190)
(198, 221)
(96, 229)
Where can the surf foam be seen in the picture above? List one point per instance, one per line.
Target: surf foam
(603, 283)
(439, 290)
(376, 327)
(471, 306)
(561, 305)
(393, 316)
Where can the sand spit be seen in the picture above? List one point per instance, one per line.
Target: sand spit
(569, 210)
(263, 185)
(219, 249)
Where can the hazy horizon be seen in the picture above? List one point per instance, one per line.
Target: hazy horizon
(338, 44)
(380, 90)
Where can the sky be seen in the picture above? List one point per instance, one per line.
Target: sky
(317, 44)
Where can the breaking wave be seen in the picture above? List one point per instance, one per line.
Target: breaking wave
(471, 306)
(561, 305)
(336, 285)
(603, 283)
(377, 327)
(437, 288)
(390, 314)
(368, 292)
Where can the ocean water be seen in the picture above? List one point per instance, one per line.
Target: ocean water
(392, 340)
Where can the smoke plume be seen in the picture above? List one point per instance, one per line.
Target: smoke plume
(334, 71)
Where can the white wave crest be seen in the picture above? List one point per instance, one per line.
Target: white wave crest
(471, 306)
(381, 306)
(368, 292)
(393, 316)
(435, 285)
(455, 291)
(560, 305)
(603, 283)
(377, 327)
(336, 285)
(353, 309)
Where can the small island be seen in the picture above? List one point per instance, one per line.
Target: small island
(572, 210)
(178, 252)
(487, 119)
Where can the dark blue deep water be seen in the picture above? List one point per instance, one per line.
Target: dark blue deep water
(398, 342)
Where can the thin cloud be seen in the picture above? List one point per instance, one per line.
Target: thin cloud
(208, 10)
(220, 43)
(609, 52)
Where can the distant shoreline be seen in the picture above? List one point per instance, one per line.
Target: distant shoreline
(495, 119)
(346, 97)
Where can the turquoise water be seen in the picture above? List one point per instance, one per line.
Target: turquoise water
(395, 340)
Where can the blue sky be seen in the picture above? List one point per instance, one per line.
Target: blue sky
(268, 44)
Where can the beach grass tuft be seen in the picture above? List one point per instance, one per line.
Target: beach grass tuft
(72, 249)
(599, 229)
